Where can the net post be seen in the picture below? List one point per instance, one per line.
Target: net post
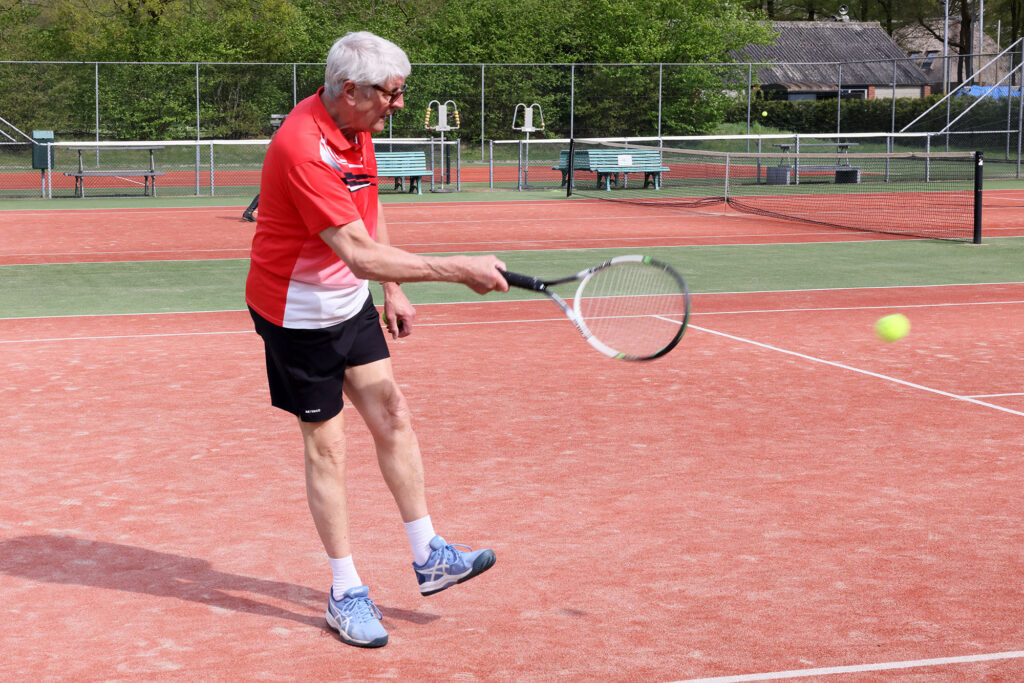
(979, 165)
(572, 167)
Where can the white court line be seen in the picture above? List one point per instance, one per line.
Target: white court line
(994, 395)
(876, 375)
(858, 668)
(967, 399)
(863, 308)
(124, 336)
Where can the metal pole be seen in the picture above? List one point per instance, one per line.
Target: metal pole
(978, 172)
(1020, 104)
(295, 85)
(96, 87)
(483, 110)
(839, 101)
(198, 136)
(750, 76)
(661, 68)
(981, 36)
(1009, 100)
(892, 126)
(519, 168)
(945, 48)
(572, 100)
(927, 161)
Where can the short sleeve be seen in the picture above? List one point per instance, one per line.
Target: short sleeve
(321, 197)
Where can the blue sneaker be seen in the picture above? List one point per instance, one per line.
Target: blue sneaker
(356, 618)
(447, 565)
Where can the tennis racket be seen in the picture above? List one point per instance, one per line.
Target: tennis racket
(629, 308)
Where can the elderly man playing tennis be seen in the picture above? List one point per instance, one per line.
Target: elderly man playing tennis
(320, 235)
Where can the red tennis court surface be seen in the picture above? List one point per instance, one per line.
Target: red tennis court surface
(754, 502)
(77, 235)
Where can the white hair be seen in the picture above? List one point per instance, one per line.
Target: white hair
(365, 59)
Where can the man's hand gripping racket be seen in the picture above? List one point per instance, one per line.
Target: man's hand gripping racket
(629, 308)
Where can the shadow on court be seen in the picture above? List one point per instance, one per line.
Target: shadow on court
(66, 560)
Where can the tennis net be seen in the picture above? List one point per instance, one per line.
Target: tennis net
(936, 195)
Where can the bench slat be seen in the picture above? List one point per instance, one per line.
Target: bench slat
(113, 172)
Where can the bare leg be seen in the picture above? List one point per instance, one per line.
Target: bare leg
(372, 390)
(325, 482)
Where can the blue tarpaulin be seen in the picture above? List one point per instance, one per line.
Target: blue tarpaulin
(990, 91)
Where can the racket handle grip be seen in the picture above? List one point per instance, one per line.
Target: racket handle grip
(523, 281)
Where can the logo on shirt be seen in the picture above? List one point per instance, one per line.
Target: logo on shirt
(354, 180)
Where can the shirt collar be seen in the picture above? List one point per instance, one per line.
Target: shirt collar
(327, 126)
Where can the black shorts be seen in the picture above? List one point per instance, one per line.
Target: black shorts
(306, 368)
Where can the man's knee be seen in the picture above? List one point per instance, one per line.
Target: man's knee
(324, 441)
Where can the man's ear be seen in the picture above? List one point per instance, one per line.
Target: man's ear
(348, 92)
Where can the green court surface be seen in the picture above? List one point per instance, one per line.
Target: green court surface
(218, 285)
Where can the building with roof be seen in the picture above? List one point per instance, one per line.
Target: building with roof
(925, 46)
(821, 59)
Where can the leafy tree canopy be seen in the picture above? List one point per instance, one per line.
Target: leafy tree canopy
(470, 31)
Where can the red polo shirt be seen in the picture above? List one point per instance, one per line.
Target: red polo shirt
(313, 179)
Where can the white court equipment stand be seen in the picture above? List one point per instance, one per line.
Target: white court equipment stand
(524, 148)
(441, 126)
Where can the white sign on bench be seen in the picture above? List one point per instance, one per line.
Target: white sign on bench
(625, 160)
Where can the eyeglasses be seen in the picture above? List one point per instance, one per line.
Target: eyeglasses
(392, 94)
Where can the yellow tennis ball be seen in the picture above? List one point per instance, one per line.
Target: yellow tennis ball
(892, 327)
(764, 112)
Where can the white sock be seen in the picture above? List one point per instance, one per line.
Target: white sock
(345, 575)
(420, 532)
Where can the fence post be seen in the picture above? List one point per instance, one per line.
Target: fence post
(572, 100)
(198, 135)
(892, 125)
(661, 67)
(1020, 104)
(750, 76)
(483, 111)
(839, 101)
(96, 87)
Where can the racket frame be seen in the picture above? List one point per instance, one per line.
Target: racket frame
(574, 313)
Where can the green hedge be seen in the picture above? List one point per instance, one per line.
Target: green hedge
(876, 116)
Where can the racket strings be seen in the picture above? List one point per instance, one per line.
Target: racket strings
(635, 308)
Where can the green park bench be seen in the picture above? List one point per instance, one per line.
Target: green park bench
(609, 164)
(401, 165)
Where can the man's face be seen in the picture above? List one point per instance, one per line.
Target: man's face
(376, 102)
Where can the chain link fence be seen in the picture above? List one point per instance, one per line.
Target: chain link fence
(201, 102)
